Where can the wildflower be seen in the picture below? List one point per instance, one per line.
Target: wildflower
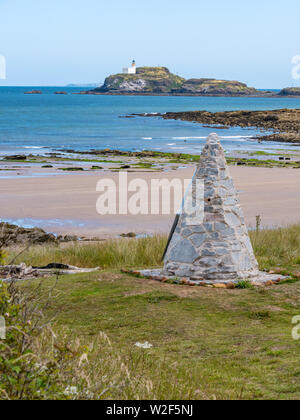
(42, 368)
(71, 390)
(145, 345)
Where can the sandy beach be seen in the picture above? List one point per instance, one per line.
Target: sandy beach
(66, 204)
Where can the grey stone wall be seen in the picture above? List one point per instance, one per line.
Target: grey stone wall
(217, 248)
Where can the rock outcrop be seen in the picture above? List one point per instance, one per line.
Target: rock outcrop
(33, 92)
(12, 235)
(146, 79)
(284, 122)
(218, 246)
(293, 91)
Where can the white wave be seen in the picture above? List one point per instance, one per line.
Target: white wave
(189, 138)
(235, 137)
(33, 147)
(171, 144)
(147, 138)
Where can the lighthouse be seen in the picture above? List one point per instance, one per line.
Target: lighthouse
(130, 70)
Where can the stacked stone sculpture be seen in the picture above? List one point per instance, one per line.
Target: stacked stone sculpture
(218, 247)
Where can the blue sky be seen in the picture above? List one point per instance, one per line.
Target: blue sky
(56, 42)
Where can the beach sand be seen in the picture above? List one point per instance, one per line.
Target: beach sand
(66, 204)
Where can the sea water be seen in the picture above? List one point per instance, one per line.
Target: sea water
(38, 124)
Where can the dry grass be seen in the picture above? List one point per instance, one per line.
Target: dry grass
(118, 253)
(278, 248)
(273, 248)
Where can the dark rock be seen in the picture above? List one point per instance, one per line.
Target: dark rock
(15, 235)
(33, 92)
(285, 121)
(15, 157)
(128, 235)
(52, 266)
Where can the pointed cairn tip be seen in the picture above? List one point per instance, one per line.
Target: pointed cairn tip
(213, 138)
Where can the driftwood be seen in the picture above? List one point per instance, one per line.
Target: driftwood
(10, 273)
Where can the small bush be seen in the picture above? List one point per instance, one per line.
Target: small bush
(244, 284)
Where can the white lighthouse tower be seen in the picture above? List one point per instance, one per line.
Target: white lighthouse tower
(130, 70)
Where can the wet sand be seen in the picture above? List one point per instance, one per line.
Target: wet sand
(66, 204)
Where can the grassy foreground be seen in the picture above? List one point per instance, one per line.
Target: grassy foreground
(273, 249)
(207, 343)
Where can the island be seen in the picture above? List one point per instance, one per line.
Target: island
(160, 81)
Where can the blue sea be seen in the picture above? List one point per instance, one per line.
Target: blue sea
(45, 123)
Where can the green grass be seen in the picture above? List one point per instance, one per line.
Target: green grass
(207, 343)
(244, 284)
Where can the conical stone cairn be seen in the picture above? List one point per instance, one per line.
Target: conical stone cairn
(215, 247)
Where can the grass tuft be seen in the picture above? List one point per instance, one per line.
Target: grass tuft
(244, 284)
(114, 253)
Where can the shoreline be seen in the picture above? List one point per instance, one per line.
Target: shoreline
(271, 193)
(285, 123)
(205, 95)
(275, 96)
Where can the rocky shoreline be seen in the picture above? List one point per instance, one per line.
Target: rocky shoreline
(285, 123)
